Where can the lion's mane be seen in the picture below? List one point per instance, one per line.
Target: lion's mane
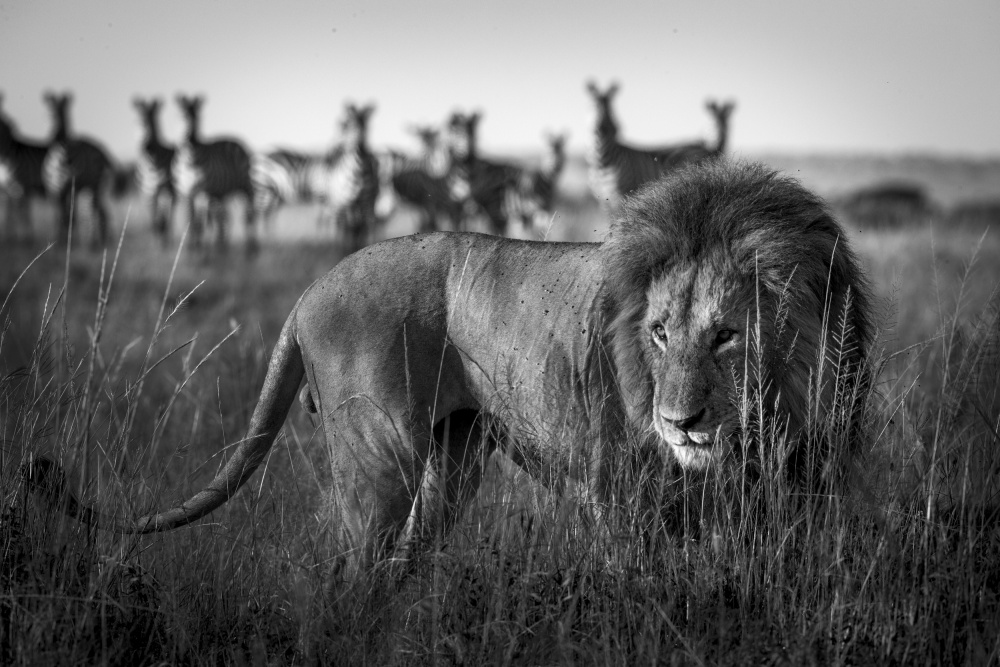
(773, 233)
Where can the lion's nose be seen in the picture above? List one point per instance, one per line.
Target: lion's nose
(685, 423)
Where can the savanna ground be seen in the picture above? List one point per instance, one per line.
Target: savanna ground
(138, 370)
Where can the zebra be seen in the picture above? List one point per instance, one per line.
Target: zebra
(720, 113)
(207, 172)
(533, 198)
(479, 185)
(616, 169)
(20, 174)
(75, 165)
(156, 168)
(352, 180)
(282, 176)
(419, 182)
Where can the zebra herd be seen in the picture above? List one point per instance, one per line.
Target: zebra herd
(447, 184)
(62, 168)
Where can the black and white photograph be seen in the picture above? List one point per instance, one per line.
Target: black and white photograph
(513, 333)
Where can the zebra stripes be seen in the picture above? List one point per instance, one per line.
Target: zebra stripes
(284, 176)
(479, 185)
(20, 174)
(532, 200)
(156, 168)
(208, 172)
(352, 183)
(76, 165)
(616, 169)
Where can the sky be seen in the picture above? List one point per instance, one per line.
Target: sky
(871, 76)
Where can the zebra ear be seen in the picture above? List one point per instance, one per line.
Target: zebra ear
(368, 110)
(475, 117)
(592, 89)
(49, 97)
(612, 90)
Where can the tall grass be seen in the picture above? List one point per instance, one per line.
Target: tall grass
(135, 382)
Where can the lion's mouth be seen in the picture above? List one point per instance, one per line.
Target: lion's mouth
(695, 450)
(681, 438)
(694, 439)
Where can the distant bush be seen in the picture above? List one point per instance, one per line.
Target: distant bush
(979, 213)
(888, 204)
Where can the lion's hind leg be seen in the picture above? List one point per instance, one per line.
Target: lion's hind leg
(462, 444)
(399, 490)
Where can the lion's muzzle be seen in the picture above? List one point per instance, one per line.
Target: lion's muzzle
(692, 439)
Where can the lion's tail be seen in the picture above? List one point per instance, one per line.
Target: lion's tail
(284, 375)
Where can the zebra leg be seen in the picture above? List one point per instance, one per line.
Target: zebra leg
(197, 217)
(99, 212)
(250, 224)
(218, 214)
(357, 230)
(498, 223)
(163, 214)
(66, 200)
(19, 215)
(9, 220)
(426, 218)
(156, 216)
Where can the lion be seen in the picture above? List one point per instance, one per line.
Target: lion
(422, 355)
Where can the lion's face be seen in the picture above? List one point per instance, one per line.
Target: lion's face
(695, 343)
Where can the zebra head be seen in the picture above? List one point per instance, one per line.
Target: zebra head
(555, 158)
(606, 124)
(59, 108)
(462, 134)
(149, 116)
(191, 110)
(354, 126)
(429, 137)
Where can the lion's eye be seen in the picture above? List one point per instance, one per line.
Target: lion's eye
(659, 333)
(724, 336)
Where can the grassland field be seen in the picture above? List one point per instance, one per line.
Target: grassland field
(143, 422)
